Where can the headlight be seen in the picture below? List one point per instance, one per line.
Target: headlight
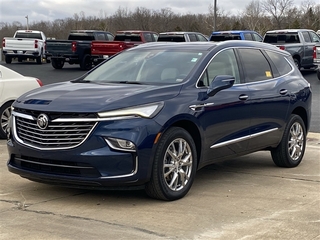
(146, 111)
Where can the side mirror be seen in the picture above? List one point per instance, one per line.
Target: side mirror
(219, 83)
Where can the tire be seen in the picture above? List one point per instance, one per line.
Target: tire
(318, 74)
(290, 151)
(8, 59)
(174, 142)
(39, 59)
(57, 64)
(86, 63)
(5, 113)
(297, 63)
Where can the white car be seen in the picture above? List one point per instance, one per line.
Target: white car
(12, 86)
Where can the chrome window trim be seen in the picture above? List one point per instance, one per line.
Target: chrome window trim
(222, 144)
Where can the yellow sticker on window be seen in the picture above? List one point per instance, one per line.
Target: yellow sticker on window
(268, 74)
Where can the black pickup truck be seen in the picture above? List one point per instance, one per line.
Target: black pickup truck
(75, 50)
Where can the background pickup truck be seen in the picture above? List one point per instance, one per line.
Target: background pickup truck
(100, 50)
(75, 50)
(182, 37)
(300, 43)
(235, 35)
(316, 59)
(23, 45)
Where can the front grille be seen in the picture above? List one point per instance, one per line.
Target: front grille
(56, 167)
(58, 134)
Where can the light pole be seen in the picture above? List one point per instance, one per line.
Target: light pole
(214, 15)
(27, 22)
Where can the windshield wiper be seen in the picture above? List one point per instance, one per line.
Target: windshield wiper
(129, 82)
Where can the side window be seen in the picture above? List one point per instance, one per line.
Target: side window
(314, 37)
(192, 37)
(224, 63)
(247, 36)
(100, 36)
(255, 65)
(306, 36)
(256, 37)
(109, 37)
(201, 38)
(148, 37)
(280, 62)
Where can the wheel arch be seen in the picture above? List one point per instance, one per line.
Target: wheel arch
(193, 130)
(303, 114)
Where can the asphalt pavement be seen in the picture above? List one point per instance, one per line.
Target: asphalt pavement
(242, 198)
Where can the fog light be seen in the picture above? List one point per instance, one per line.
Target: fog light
(121, 144)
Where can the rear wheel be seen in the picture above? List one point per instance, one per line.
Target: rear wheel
(57, 63)
(318, 73)
(174, 166)
(8, 59)
(297, 63)
(290, 151)
(5, 113)
(39, 59)
(86, 63)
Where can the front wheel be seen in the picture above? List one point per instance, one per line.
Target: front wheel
(290, 151)
(174, 165)
(5, 113)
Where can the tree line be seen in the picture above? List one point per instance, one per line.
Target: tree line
(258, 15)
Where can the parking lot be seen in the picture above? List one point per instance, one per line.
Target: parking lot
(243, 198)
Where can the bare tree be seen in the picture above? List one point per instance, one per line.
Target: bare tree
(277, 9)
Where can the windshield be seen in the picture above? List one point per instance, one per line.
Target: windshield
(145, 66)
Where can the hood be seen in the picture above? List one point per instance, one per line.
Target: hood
(91, 97)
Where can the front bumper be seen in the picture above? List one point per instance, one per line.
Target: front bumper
(92, 164)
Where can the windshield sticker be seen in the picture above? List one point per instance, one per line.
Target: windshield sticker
(194, 59)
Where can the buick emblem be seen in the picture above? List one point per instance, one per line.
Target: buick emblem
(42, 121)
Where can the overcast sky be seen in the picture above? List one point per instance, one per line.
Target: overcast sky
(49, 10)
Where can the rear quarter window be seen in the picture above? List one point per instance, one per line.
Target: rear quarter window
(280, 62)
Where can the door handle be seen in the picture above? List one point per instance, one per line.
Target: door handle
(283, 91)
(243, 97)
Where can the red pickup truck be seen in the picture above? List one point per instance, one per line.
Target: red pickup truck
(101, 50)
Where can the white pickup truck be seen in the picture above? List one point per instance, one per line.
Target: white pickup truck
(23, 45)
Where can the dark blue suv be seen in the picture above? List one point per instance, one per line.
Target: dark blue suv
(152, 115)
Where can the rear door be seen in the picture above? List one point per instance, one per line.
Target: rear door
(269, 94)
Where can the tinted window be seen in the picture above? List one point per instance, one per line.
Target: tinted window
(101, 36)
(225, 37)
(28, 35)
(255, 65)
(280, 62)
(134, 37)
(192, 37)
(247, 36)
(224, 63)
(171, 38)
(306, 37)
(281, 38)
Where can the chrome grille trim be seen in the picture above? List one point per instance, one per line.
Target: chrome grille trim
(59, 135)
